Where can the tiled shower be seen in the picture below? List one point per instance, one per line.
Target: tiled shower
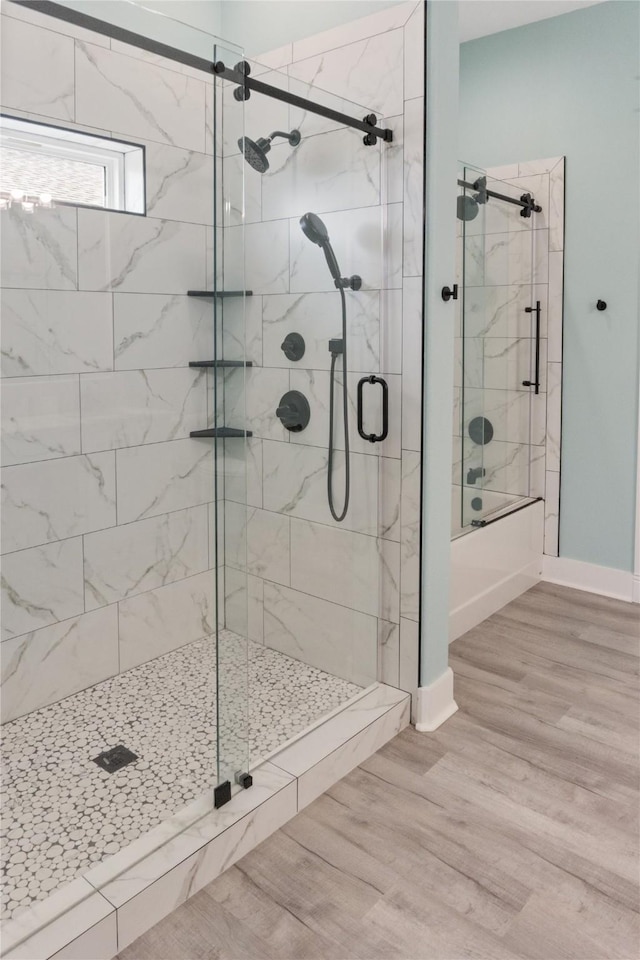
(190, 597)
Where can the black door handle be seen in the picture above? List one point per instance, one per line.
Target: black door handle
(372, 437)
(535, 383)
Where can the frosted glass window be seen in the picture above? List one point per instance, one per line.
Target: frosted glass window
(68, 166)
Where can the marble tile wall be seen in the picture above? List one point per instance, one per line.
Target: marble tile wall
(510, 263)
(338, 596)
(106, 501)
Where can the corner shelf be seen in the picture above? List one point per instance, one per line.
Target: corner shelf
(225, 433)
(221, 363)
(219, 294)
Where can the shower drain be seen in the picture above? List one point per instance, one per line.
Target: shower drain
(115, 759)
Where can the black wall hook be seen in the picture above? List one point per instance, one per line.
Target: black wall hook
(448, 294)
(601, 305)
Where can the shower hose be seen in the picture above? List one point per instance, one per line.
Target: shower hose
(345, 415)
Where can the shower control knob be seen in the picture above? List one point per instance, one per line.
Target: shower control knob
(293, 411)
(293, 346)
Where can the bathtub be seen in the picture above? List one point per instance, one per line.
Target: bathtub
(493, 564)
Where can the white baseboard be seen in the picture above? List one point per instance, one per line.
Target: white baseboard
(607, 581)
(435, 704)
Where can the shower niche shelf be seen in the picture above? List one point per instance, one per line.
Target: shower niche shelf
(225, 433)
(219, 294)
(221, 363)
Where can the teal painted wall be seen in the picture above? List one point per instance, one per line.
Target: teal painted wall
(569, 86)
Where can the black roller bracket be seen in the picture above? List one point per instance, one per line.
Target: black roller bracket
(370, 139)
(293, 411)
(293, 346)
(242, 92)
(450, 293)
(244, 780)
(481, 430)
(372, 437)
(601, 305)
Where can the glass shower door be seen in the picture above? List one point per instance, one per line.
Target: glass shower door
(499, 349)
(310, 593)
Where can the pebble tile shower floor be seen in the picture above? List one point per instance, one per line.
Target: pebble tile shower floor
(63, 814)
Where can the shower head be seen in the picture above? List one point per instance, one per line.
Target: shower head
(466, 207)
(255, 151)
(315, 230)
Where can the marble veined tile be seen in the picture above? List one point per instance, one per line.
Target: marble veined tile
(153, 888)
(55, 332)
(252, 400)
(556, 305)
(344, 567)
(366, 241)
(37, 70)
(509, 466)
(551, 513)
(412, 308)
(515, 258)
(159, 330)
(414, 44)
(39, 249)
(371, 737)
(243, 601)
(295, 483)
(28, 15)
(161, 620)
(324, 635)
(242, 329)
(48, 929)
(127, 253)
(256, 257)
(40, 418)
(511, 413)
(413, 230)
(327, 753)
(258, 541)
(500, 311)
(65, 657)
(410, 536)
(556, 206)
(369, 72)
(243, 471)
(130, 408)
(389, 652)
(332, 171)
(161, 477)
(138, 99)
(56, 499)
(242, 191)
(317, 318)
(316, 386)
(40, 586)
(554, 415)
(135, 557)
(353, 31)
(179, 184)
(506, 363)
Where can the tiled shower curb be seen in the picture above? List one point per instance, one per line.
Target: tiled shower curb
(114, 903)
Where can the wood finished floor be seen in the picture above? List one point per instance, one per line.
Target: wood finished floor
(510, 832)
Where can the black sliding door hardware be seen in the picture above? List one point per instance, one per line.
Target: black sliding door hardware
(372, 437)
(240, 75)
(535, 383)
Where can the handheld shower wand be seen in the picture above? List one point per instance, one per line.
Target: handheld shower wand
(315, 230)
